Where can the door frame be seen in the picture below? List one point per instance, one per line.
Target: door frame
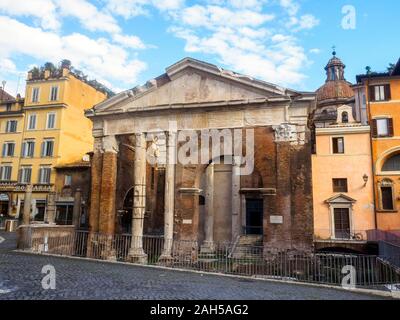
(244, 198)
(332, 212)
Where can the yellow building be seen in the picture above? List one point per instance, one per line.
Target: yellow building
(341, 165)
(48, 130)
(381, 96)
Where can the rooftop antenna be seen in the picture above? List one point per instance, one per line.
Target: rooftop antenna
(2, 91)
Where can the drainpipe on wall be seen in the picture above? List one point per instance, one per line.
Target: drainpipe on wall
(372, 150)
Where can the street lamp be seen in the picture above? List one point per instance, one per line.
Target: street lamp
(365, 178)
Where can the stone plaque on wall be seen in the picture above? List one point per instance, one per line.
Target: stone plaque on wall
(187, 221)
(276, 219)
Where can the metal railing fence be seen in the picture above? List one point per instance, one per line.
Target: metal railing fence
(255, 261)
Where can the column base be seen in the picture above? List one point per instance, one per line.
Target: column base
(166, 259)
(137, 256)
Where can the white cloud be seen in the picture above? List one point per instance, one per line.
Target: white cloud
(132, 42)
(42, 10)
(88, 15)
(132, 8)
(215, 16)
(240, 34)
(291, 6)
(315, 51)
(97, 57)
(305, 22)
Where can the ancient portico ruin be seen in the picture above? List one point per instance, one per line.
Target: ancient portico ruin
(206, 200)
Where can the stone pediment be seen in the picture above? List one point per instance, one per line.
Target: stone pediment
(193, 82)
(340, 198)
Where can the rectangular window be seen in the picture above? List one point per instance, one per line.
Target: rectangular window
(8, 149)
(51, 121)
(47, 148)
(44, 175)
(25, 174)
(339, 185)
(54, 93)
(380, 92)
(67, 180)
(5, 173)
(35, 94)
(387, 198)
(32, 122)
(11, 126)
(338, 145)
(28, 149)
(382, 127)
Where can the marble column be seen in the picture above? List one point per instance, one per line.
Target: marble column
(236, 198)
(27, 205)
(208, 244)
(169, 196)
(136, 253)
(76, 215)
(51, 207)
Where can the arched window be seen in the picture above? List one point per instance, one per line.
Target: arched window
(392, 164)
(386, 192)
(345, 117)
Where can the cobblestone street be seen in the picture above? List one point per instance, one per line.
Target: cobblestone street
(20, 278)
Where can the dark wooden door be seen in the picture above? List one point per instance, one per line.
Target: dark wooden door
(254, 216)
(342, 223)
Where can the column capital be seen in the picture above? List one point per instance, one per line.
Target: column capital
(236, 161)
(110, 144)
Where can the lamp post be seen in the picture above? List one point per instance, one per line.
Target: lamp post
(365, 178)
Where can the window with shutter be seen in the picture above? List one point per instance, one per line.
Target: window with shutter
(338, 145)
(387, 92)
(371, 93)
(390, 127)
(32, 122)
(374, 128)
(51, 120)
(5, 173)
(23, 150)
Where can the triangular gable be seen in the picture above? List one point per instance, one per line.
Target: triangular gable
(191, 81)
(340, 198)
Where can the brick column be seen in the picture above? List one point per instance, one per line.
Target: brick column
(136, 253)
(169, 197)
(77, 208)
(108, 186)
(96, 172)
(51, 208)
(108, 190)
(27, 205)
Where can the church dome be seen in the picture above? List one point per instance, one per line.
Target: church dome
(336, 89)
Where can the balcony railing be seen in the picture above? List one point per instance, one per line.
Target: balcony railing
(340, 235)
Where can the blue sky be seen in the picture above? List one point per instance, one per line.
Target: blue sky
(123, 43)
